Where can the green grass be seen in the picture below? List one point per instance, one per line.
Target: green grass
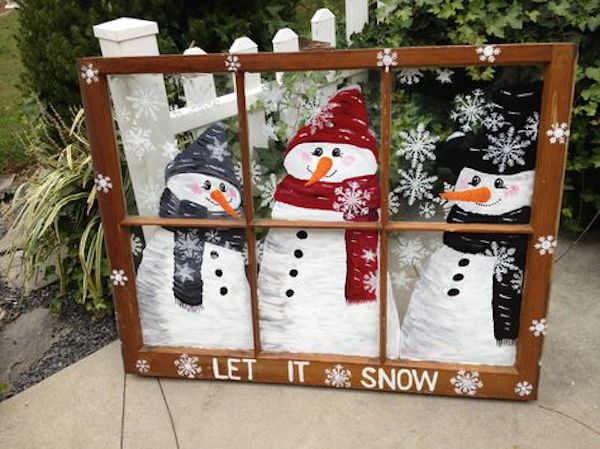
(12, 151)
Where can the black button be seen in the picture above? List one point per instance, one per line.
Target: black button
(458, 277)
(289, 293)
(293, 273)
(298, 253)
(214, 254)
(223, 291)
(453, 292)
(463, 262)
(301, 235)
(219, 272)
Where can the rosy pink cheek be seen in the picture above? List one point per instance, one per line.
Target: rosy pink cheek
(348, 160)
(306, 157)
(195, 188)
(232, 193)
(512, 191)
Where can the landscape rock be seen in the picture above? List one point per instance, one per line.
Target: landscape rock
(9, 241)
(6, 185)
(10, 266)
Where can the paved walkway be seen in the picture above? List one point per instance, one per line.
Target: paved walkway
(82, 406)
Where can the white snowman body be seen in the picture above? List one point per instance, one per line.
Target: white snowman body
(301, 286)
(450, 316)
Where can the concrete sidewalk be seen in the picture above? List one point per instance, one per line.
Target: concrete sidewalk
(82, 406)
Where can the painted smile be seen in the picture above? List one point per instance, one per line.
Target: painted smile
(210, 200)
(327, 176)
(489, 204)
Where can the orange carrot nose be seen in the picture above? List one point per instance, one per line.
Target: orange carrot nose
(218, 196)
(323, 167)
(480, 195)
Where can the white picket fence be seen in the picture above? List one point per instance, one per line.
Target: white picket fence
(149, 127)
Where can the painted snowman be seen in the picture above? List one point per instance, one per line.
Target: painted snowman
(317, 289)
(191, 284)
(465, 306)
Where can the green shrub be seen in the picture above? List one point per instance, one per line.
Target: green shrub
(431, 22)
(53, 34)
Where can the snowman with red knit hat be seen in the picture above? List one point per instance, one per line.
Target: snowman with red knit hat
(318, 288)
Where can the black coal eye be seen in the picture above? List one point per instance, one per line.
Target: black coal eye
(336, 152)
(475, 181)
(318, 151)
(499, 183)
(207, 185)
(222, 187)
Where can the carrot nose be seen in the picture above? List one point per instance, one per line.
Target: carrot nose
(323, 167)
(480, 195)
(218, 196)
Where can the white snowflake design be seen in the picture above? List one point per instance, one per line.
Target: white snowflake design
(523, 388)
(138, 140)
(184, 272)
(427, 210)
(558, 132)
(505, 150)
(466, 382)
(118, 277)
(410, 252)
(170, 149)
(415, 184)
(143, 366)
(136, 245)
(470, 110)
(387, 58)
(351, 201)
(446, 205)
(338, 377)
(503, 259)
(444, 76)
(187, 366)
(148, 195)
(494, 121)
(517, 281)
(218, 150)
(401, 280)
(103, 183)
(188, 244)
(260, 248)
(255, 172)
(270, 130)
(368, 255)
(394, 202)
(488, 53)
(410, 76)
(546, 245)
(89, 73)
(212, 236)
(272, 96)
(531, 126)
(232, 63)
(370, 282)
(323, 119)
(539, 327)
(267, 191)
(417, 145)
(145, 102)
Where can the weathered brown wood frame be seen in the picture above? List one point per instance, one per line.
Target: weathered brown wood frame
(558, 61)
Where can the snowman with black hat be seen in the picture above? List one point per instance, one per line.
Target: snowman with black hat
(465, 306)
(191, 284)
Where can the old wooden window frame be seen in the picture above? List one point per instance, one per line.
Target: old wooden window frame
(519, 382)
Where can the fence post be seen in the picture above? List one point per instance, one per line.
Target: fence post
(323, 29)
(357, 16)
(285, 40)
(256, 120)
(142, 110)
(199, 88)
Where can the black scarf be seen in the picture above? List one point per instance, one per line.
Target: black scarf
(188, 250)
(508, 272)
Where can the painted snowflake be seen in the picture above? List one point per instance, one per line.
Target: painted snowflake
(260, 249)
(506, 150)
(351, 201)
(270, 130)
(494, 121)
(184, 272)
(212, 236)
(444, 76)
(323, 119)
(516, 281)
(466, 382)
(401, 280)
(267, 191)
(218, 150)
(470, 110)
(410, 76)
(427, 210)
(118, 277)
(539, 327)
(387, 58)
(272, 97)
(415, 184)
(417, 145)
(148, 196)
(143, 366)
(370, 282)
(532, 125)
(410, 252)
(188, 244)
(103, 183)
(137, 140)
(546, 245)
(232, 63)
(255, 172)
(488, 53)
(170, 149)
(503, 259)
(558, 132)
(187, 366)
(523, 388)
(338, 377)
(446, 205)
(145, 102)
(394, 202)
(89, 73)
(136, 245)
(368, 255)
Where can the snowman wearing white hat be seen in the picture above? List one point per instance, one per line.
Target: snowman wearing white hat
(191, 284)
(465, 306)
(317, 288)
